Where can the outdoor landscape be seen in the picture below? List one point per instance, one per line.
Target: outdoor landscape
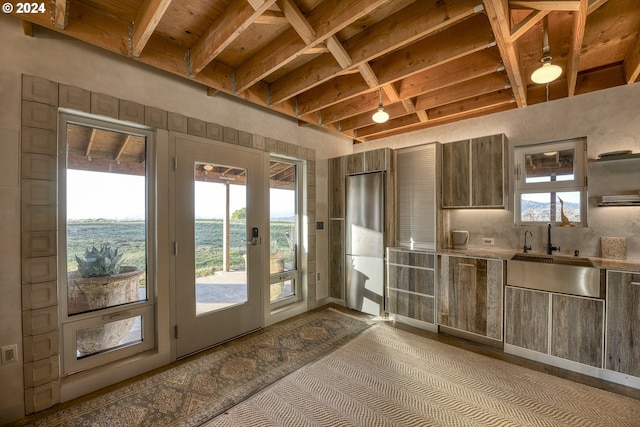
(129, 238)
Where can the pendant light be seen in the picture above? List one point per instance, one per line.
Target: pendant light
(380, 116)
(548, 72)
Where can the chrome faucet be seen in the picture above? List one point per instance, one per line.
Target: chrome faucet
(550, 247)
(526, 248)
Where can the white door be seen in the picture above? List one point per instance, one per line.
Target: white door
(218, 211)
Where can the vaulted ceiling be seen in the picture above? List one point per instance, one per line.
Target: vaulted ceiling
(328, 62)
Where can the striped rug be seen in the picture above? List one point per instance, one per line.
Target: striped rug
(390, 377)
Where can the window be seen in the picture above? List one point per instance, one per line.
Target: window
(551, 183)
(285, 231)
(106, 242)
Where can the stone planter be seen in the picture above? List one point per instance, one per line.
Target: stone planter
(93, 293)
(276, 265)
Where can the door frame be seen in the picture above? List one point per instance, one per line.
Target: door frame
(261, 221)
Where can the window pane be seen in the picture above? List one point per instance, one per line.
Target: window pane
(550, 166)
(549, 206)
(282, 290)
(220, 206)
(283, 229)
(111, 335)
(106, 218)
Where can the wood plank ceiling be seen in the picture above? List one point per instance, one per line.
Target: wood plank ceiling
(328, 62)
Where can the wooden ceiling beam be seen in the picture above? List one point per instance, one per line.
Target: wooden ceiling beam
(431, 53)
(465, 90)
(326, 19)
(92, 139)
(526, 24)
(411, 124)
(557, 5)
(468, 67)
(577, 35)
(437, 49)
(297, 20)
(126, 139)
(271, 17)
(632, 62)
(400, 29)
(500, 22)
(60, 14)
(28, 28)
(339, 53)
(233, 21)
(595, 5)
(146, 22)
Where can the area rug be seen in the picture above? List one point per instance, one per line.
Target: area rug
(389, 377)
(199, 389)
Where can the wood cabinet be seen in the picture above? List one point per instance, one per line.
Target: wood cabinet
(470, 294)
(474, 173)
(526, 315)
(623, 323)
(411, 284)
(564, 326)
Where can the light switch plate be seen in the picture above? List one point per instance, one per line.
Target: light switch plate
(9, 354)
(488, 241)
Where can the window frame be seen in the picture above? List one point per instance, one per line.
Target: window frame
(577, 184)
(144, 308)
(296, 274)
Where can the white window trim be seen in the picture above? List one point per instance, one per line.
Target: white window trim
(296, 275)
(579, 183)
(69, 324)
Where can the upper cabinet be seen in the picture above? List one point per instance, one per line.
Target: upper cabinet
(474, 173)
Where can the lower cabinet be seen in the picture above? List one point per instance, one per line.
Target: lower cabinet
(565, 326)
(623, 323)
(470, 295)
(411, 284)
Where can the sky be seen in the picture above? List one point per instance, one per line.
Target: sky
(93, 195)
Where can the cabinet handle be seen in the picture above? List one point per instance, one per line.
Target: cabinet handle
(462, 264)
(635, 283)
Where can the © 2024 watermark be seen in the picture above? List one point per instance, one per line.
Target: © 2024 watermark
(24, 8)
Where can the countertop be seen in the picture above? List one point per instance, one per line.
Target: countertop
(632, 265)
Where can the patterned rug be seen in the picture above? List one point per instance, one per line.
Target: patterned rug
(208, 384)
(389, 377)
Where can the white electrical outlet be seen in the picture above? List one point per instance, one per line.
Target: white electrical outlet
(9, 354)
(487, 241)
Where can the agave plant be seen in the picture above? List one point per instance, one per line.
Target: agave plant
(102, 262)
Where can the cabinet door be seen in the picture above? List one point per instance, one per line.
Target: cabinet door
(527, 318)
(487, 171)
(623, 323)
(577, 329)
(456, 178)
(337, 173)
(411, 285)
(470, 295)
(336, 259)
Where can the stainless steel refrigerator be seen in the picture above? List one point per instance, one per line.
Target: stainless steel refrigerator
(364, 242)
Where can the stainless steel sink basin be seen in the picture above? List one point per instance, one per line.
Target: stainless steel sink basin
(555, 259)
(563, 274)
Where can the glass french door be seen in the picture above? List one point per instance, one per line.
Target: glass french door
(218, 209)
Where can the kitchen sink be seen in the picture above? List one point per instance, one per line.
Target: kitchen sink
(562, 274)
(555, 259)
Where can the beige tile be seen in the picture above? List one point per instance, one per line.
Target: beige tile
(39, 90)
(38, 347)
(39, 295)
(42, 397)
(41, 372)
(75, 98)
(40, 321)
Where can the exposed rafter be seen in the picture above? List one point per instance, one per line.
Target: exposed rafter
(632, 62)
(60, 13)
(573, 64)
(146, 22)
(499, 19)
(235, 19)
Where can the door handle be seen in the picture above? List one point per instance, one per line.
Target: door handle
(255, 237)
